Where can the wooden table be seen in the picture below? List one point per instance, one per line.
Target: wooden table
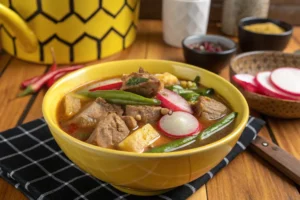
(247, 177)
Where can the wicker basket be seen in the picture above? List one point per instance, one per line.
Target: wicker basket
(254, 62)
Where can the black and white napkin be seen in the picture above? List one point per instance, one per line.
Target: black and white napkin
(31, 160)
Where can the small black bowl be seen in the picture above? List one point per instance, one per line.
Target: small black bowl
(212, 61)
(250, 41)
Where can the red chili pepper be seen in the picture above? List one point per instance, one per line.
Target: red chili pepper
(72, 128)
(113, 86)
(32, 80)
(52, 80)
(29, 81)
(34, 87)
(53, 67)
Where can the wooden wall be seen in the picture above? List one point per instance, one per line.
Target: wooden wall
(286, 10)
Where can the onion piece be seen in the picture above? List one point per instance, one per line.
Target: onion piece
(246, 81)
(173, 101)
(286, 79)
(179, 124)
(263, 81)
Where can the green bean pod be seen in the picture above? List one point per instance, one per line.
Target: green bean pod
(120, 97)
(183, 142)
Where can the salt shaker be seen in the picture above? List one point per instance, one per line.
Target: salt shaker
(182, 18)
(235, 10)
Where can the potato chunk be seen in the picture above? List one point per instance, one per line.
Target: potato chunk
(167, 79)
(72, 105)
(140, 139)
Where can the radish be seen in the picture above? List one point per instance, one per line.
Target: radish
(173, 101)
(263, 81)
(287, 80)
(246, 81)
(179, 124)
(110, 84)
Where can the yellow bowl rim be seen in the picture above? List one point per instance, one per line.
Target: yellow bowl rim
(187, 152)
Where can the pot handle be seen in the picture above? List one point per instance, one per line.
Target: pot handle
(18, 26)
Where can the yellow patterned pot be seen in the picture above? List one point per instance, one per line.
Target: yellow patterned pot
(78, 30)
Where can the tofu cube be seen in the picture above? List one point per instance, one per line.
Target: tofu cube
(72, 105)
(140, 139)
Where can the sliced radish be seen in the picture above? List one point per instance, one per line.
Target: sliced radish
(109, 84)
(179, 124)
(173, 101)
(287, 80)
(246, 81)
(263, 81)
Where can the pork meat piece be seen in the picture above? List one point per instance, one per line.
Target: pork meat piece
(209, 109)
(145, 114)
(92, 112)
(110, 131)
(142, 83)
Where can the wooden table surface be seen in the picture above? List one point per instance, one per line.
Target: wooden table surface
(247, 177)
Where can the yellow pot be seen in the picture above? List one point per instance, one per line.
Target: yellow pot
(78, 30)
(152, 173)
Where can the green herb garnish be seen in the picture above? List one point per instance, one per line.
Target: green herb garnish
(136, 81)
(197, 80)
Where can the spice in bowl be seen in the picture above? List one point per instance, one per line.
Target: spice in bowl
(264, 28)
(207, 47)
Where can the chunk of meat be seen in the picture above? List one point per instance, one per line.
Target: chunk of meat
(142, 83)
(110, 131)
(146, 114)
(130, 122)
(209, 108)
(72, 105)
(92, 112)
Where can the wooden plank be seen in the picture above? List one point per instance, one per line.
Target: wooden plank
(12, 108)
(250, 177)
(157, 49)
(4, 61)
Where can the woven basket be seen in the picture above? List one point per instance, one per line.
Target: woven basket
(254, 62)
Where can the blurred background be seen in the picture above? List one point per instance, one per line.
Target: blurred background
(285, 10)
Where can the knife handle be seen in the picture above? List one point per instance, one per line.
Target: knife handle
(280, 159)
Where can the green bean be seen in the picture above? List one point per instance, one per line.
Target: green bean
(183, 142)
(120, 97)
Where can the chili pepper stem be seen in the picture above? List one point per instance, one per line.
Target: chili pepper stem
(25, 92)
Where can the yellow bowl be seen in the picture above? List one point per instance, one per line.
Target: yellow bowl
(152, 173)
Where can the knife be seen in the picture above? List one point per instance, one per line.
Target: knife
(279, 158)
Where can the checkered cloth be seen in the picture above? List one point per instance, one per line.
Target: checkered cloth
(31, 160)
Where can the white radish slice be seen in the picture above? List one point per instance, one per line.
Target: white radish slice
(287, 80)
(246, 81)
(263, 81)
(173, 101)
(104, 83)
(179, 124)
